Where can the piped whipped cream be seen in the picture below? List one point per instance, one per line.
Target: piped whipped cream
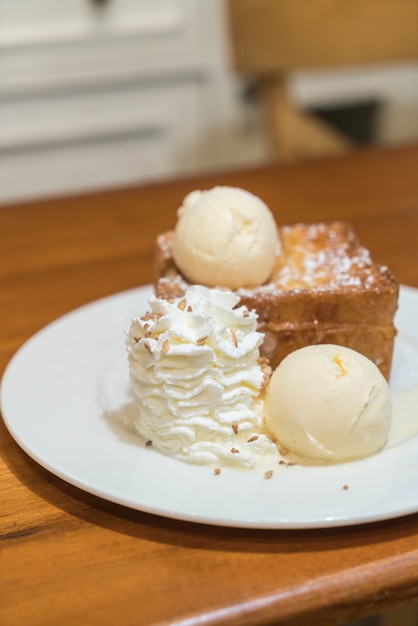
(198, 379)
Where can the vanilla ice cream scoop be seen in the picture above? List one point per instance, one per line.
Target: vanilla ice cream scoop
(225, 237)
(326, 402)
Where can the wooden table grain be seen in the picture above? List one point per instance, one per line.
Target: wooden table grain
(68, 557)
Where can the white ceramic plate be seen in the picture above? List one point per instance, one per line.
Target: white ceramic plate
(60, 387)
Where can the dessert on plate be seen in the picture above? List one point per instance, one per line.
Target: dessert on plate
(321, 286)
(235, 297)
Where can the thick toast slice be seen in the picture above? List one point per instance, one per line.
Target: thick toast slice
(324, 289)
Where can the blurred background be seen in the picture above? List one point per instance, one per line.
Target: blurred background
(97, 94)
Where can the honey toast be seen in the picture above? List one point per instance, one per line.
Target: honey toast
(324, 289)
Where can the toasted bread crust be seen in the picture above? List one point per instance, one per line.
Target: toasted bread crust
(324, 289)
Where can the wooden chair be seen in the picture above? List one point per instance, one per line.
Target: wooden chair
(271, 38)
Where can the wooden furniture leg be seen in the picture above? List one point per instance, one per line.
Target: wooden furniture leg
(295, 134)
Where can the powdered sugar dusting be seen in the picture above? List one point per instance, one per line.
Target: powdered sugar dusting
(322, 257)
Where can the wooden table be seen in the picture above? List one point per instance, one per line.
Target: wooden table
(71, 558)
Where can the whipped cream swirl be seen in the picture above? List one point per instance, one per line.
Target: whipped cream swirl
(197, 377)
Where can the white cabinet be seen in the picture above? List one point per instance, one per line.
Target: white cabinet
(98, 94)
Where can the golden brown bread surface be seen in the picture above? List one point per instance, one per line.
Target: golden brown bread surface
(324, 289)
